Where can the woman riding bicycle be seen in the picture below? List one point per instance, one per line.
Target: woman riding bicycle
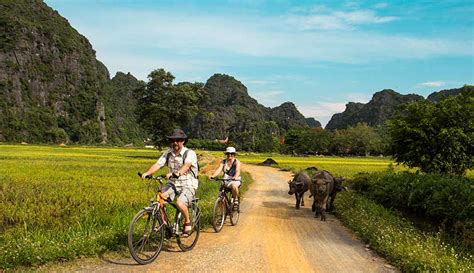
(231, 168)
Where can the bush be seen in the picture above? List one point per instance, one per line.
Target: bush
(445, 199)
(397, 239)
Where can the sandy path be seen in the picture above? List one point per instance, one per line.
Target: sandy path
(271, 236)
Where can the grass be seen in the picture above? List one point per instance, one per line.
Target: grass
(398, 239)
(59, 203)
(340, 166)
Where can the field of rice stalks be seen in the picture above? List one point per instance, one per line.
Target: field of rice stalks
(339, 166)
(58, 203)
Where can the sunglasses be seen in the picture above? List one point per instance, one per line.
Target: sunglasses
(172, 140)
(230, 153)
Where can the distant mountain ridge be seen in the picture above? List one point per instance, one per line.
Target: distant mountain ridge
(230, 112)
(53, 89)
(381, 107)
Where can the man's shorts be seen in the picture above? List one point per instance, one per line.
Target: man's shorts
(186, 194)
(229, 183)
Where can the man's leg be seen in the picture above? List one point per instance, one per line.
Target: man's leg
(167, 191)
(183, 201)
(184, 210)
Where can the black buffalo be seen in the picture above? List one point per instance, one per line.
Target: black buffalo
(323, 183)
(298, 186)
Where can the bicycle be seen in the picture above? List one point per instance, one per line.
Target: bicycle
(150, 227)
(224, 206)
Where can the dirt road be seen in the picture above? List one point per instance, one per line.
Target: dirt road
(271, 236)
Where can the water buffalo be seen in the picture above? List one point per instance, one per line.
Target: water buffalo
(298, 186)
(323, 183)
(337, 188)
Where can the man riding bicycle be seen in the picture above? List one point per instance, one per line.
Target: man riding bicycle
(231, 168)
(182, 175)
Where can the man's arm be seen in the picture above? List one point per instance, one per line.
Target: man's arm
(153, 168)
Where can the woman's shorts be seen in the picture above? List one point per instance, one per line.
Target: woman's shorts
(229, 183)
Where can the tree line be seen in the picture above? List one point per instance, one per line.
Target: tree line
(434, 136)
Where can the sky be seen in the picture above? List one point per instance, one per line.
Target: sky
(320, 55)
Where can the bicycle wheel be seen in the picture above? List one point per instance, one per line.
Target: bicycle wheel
(235, 213)
(145, 236)
(218, 216)
(185, 242)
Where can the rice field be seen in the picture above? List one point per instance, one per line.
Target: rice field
(339, 166)
(60, 203)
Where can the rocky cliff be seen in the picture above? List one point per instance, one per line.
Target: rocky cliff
(52, 87)
(381, 107)
(229, 111)
(437, 96)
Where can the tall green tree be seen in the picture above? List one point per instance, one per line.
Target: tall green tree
(307, 141)
(164, 106)
(436, 137)
(358, 140)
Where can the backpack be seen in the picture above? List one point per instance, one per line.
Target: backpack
(192, 169)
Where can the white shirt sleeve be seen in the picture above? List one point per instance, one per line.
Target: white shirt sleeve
(192, 158)
(162, 160)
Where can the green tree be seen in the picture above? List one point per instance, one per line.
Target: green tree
(436, 137)
(307, 141)
(164, 106)
(359, 140)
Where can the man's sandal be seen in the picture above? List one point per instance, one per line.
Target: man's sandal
(188, 232)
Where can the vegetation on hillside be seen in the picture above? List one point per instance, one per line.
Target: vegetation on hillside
(436, 137)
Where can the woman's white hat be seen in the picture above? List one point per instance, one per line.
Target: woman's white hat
(231, 150)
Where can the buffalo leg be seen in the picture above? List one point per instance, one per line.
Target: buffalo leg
(316, 214)
(323, 208)
(323, 214)
(313, 207)
(297, 200)
(302, 199)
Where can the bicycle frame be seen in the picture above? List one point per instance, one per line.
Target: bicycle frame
(150, 227)
(161, 202)
(226, 194)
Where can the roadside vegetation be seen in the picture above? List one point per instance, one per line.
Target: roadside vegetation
(396, 238)
(60, 203)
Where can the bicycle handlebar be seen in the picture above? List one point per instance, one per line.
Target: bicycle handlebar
(159, 178)
(225, 179)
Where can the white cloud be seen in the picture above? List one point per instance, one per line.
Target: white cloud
(363, 17)
(325, 19)
(322, 111)
(183, 43)
(359, 97)
(269, 98)
(432, 84)
(381, 5)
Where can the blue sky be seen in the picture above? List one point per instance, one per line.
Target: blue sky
(318, 54)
